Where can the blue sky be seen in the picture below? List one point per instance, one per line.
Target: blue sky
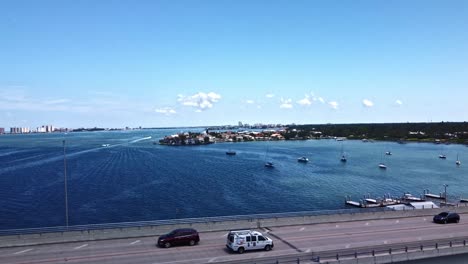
(186, 63)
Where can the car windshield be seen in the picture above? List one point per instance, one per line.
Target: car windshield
(172, 233)
(443, 214)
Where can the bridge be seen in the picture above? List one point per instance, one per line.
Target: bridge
(345, 236)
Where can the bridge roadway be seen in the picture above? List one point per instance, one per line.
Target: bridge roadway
(211, 249)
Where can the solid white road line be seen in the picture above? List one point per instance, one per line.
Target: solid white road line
(134, 242)
(23, 251)
(82, 246)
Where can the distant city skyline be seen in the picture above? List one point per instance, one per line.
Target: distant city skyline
(206, 63)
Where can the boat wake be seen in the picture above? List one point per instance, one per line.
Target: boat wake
(140, 139)
(60, 157)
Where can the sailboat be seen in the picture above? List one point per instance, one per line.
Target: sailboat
(268, 164)
(442, 156)
(382, 164)
(343, 156)
(458, 162)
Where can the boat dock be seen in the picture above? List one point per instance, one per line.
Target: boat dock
(407, 201)
(433, 196)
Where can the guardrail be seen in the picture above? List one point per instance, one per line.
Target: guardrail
(357, 253)
(252, 217)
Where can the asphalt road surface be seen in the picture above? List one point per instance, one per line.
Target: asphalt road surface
(212, 249)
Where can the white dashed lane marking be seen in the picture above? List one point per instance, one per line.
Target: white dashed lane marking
(302, 229)
(82, 246)
(134, 242)
(23, 251)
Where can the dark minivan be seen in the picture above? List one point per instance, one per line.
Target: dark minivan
(447, 217)
(183, 236)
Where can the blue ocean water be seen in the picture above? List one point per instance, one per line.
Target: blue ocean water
(134, 180)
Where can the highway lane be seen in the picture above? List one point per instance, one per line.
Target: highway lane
(288, 240)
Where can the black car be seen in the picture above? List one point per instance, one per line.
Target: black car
(183, 236)
(447, 217)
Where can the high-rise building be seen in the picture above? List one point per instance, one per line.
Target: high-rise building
(2, 130)
(49, 129)
(19, 130)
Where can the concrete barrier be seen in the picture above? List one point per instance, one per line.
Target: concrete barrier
(253, 223)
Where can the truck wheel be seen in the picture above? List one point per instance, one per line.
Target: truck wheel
(267, 247)
(167, 245)
(240, 250)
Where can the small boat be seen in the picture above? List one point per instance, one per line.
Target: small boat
(230, 153)
(303, 159)
(458, 162)
(442, 156)
(269, 164)
(388, 153)
(411, 198)
(382, 166)
(105, 145)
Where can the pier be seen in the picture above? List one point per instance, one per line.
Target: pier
(405, 202)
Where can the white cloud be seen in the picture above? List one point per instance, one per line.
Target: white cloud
(367, 103)
(201, 101)
(250, 101)
(286, 103)
(321, 100)
(270, 95)
(398, 102)
(165, 110)
(102, 103)
(333, 104)
(305, 101)
(56, 101)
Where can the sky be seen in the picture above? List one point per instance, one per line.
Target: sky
(196, 63)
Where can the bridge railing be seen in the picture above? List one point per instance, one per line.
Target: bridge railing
(251, 217)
